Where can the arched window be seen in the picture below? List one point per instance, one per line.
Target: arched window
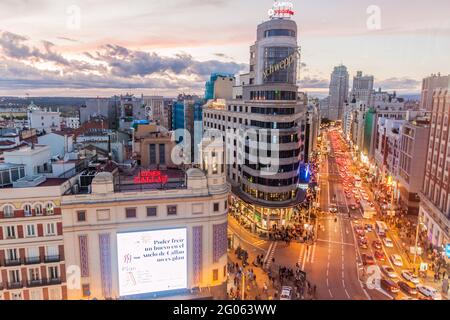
(49, 209)
(27, 210)
(38, 209)
(8, 211)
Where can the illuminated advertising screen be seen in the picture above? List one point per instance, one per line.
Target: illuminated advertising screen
(152, 261)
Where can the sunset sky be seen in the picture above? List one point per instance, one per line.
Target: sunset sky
(171, 46)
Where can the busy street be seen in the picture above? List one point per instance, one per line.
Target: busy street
(354, 252)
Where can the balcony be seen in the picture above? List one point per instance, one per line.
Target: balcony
(14, 285)
(12, 262)
(52, 281)
(35, 283)
(32, 260)
(49, 259)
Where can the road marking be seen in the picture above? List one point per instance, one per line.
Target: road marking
(336, 242)
(268, 252)
(302, 249)
(331, 295)
(348, 296)
(313, 253)
(343, 283)
(271, 254)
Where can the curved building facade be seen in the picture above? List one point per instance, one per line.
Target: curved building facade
(265, 129)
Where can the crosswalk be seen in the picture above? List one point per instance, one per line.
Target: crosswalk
(270, 254)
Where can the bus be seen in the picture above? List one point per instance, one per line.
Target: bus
(381, 228)
(367, 210)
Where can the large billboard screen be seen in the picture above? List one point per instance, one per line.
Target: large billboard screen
(152, 261)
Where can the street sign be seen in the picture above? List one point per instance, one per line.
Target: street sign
(447, 250)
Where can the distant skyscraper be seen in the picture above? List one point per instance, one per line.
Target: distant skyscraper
(338, 92)
(429, 85)
(362, 88)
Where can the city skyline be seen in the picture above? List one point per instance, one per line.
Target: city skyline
(166, 53)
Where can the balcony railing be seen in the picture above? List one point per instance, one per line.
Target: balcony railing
(12, 262)
(35, 283)
(32, 260)
(53, 281)
(15, 285)
(56, 258)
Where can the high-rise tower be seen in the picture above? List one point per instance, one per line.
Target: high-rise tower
(265, 129)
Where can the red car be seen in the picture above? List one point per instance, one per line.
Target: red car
(377, 244)
(367, 259)
(380, 255)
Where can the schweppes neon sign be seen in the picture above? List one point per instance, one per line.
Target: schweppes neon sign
(282, 65)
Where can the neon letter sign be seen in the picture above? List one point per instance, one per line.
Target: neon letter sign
(150, 177)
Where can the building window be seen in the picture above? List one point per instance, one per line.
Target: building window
(130, 213)
(33, 274)
(31, 230)
(162, 154)
(8, 211)
(226, 204)
(14, 276)
(151, 211)
(152, 154)
(81, 216)
(53, 273)
(27, 210)
(216, 207)
(38, 210)
(171, 210)
(49, 209)
(50, 229)
(215, 275)
(10, 232)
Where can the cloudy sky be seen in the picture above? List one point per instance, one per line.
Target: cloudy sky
(105, 47)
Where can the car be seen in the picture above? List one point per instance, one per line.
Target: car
(376, 244)
(389, 271)
(355, 191)
(286, 293)
(408, 288)
(371, 204)
(397, 260)
(368, 227)
(348, 195)
(362, 244)
(389, 285)
(380, 255)
(411, 277)
(333, 210)
(353, 207)
(388, 243)
(367, 259)
(365, 197)
(357, 197)
(429, 292)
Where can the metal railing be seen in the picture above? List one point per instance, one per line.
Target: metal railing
(55, 258)
(14, 285)
(32, 260)
(35, 283)
(12, 262)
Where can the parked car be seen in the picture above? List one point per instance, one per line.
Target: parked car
(429, 292)
(363, 243)
(369, 227)
(407, 288)
(397, 260)
(411, 277)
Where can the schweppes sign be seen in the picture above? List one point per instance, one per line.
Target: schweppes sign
(282, 65)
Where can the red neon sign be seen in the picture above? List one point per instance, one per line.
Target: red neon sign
(151, 176)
